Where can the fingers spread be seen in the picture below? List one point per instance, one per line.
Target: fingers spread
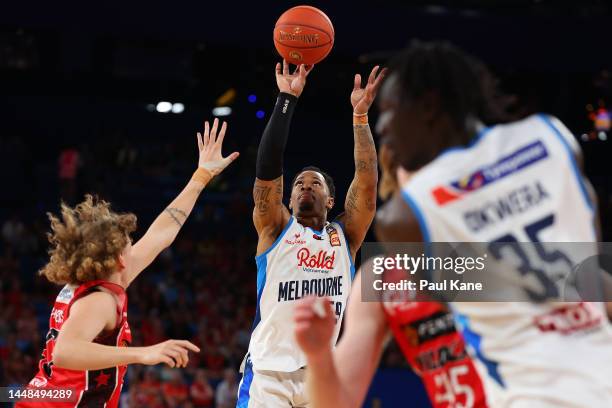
(200, 143)
(278, 68)
(222, 132)
(357, 84)
(232, 157)
(213, 131)
(206, 133)
(373, 75)
(285, 67)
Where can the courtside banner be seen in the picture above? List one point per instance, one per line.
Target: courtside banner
(507, 271)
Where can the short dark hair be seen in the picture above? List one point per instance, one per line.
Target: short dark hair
(328, 179)
(464, 84)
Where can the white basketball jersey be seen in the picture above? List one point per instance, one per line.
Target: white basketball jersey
(512, 182)
(301, 262)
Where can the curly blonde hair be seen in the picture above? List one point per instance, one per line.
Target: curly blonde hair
(86, 242)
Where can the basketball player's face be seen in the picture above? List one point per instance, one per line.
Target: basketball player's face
(310, 194)
(402, 125)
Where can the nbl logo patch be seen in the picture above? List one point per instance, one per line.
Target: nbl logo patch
(507, 165)
(334, 238)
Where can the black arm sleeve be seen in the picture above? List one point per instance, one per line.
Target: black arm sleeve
(274, 139)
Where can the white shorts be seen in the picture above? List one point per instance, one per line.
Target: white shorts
(271, 389)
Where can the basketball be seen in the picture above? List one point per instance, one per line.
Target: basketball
(303, 35)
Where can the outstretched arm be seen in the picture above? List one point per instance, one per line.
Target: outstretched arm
(360, 203)
(336, 378)
(75, 349)
(270, 215)
(166, 226)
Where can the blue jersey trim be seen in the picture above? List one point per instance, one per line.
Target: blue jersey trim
(572, 157)
(280, 236)
(416, 210)
(262, 267)
(348, 249)
(474, 340)
(245, 385)
(470, 144)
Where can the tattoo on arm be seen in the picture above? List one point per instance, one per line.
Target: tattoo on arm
(176, 213)
(261, 194)
(351, 202)
(267, 196)
(363, 138)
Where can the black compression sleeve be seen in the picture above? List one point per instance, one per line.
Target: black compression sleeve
(274, 139)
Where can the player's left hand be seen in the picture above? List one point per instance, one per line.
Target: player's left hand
(210, 146)
(313, 332)
(362, 98)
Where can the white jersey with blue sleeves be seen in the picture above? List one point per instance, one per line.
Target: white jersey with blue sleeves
(520, 182)
(301, 261)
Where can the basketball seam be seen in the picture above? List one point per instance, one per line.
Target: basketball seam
(314, 10)
(302, 48)
(306, 25)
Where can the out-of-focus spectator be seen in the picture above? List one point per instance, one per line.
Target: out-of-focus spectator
(175, 391)
(150, 387)
(227, 391)
(201, 392)
(68, 167)
(13, 230)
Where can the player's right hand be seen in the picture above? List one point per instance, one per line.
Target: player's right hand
(292, 83)
(174, 353)
(312, 332)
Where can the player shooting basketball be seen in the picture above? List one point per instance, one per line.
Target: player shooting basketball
(531, 352)
(301, 252)
(87, 347)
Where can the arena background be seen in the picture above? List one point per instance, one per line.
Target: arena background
(84, 83)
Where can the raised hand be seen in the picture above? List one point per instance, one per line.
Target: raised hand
(173, 353)
(292, 83)
(362, 98)
(210, 146)
(313, 332)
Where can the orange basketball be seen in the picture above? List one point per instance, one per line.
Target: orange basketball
(303, 35)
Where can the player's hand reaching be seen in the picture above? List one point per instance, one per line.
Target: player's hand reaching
(173, 353)
(362, 98)
(314, 325)
(210, 145)
(292, 83)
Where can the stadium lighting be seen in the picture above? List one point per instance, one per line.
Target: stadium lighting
(602, 136)
(584, 137)
(260, 114)
(252, 98)
(163, 107)
(222, 111)
(178, 108)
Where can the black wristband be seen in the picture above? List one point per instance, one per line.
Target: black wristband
(269, 164)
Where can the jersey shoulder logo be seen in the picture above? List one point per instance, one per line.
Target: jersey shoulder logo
(334, 238)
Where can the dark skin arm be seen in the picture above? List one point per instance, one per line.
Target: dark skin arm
(269, 214)
(360, 203)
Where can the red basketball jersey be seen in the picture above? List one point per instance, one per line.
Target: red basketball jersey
(93, 388)
(426, 334)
